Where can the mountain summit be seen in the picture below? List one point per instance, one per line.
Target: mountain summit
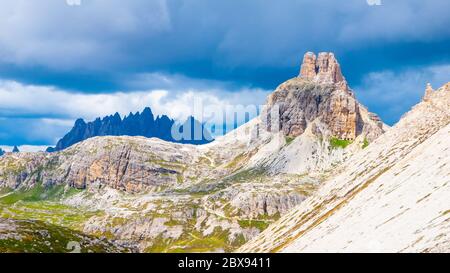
(16, 149)
(319, 99)
(324, 68)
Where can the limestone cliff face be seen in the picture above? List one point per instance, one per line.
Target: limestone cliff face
(323, 68)
(320, 97)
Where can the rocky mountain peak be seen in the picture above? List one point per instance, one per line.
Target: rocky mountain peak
(322, 68)
(321, 100)
(428, 92)
(436, 96)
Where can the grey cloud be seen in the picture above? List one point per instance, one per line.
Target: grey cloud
(52, 33)
(102, 33)
(393, 93)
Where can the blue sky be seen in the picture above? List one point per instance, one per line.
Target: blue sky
(59, 62)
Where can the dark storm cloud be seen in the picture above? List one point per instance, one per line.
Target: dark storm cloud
(106, 46)
(91, 45)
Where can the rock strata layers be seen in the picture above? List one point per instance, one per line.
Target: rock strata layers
(320, 97)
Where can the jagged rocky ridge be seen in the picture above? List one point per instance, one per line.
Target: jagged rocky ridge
(138, 124)
(160, 196)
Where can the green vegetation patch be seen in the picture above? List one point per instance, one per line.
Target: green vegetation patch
(173, 165)
(289, 140)
(261, 225)
(365, 143)
(249, 175)
(40, 203)
(24, 236)
(236, 161)
(172, 223)
(209, 186)
(180, 178)
(337, 143)
(193, 241)
(39, 193)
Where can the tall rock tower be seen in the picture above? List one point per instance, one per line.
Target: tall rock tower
(428, 92)
(320, 98)
(324, 68)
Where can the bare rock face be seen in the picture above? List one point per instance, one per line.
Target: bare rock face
(253, 205)
(21, 169)
(324, 68)
(320, 97)
(309, 69)
(124, 163)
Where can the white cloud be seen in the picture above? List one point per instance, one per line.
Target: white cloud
(45, 113)
(58, 106)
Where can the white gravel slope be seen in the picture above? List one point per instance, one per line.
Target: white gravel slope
(393, 196)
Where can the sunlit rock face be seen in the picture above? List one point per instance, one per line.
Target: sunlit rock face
(324, 68)
(390, 197)
(320, 97)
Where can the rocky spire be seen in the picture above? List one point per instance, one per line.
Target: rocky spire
(428, 92)
(320, 99)
(16, 149)
(323, 68)
(308, 69)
